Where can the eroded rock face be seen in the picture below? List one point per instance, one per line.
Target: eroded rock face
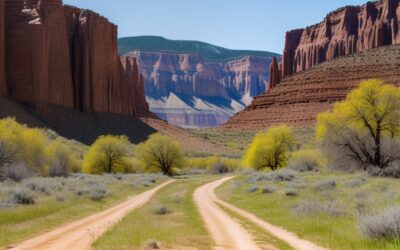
(3, 90)
(66, 56)
(190, 74)
(187, 90)
(345, 31)
(298, 99)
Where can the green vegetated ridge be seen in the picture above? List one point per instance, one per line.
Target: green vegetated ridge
(208, 51)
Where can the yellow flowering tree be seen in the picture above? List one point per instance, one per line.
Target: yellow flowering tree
(365, 127)
(270, 149)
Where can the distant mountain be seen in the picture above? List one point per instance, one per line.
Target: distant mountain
(195, 84)
(208, 51)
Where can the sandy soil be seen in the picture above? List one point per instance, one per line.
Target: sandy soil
(227, 233)
(80, 234)
(288, 237)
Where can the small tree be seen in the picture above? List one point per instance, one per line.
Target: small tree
(161, 152)
(270, 149)
(365, 128)
(107, 155)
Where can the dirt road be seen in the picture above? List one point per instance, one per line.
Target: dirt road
(210, 197)
(80, 234)
(227, 233)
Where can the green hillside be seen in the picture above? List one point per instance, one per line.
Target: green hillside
(208, 51)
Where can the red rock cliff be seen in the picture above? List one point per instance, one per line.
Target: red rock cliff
(345, 31)
(66, 56)
(3, 90)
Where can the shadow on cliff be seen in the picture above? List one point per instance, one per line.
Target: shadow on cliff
(76, 125)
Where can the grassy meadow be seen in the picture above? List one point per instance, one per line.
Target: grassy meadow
(170, 221)
(37, 205)
(324, 206)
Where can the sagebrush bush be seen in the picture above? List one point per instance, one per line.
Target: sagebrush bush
(153, 244)
(325, 185)
(16, 172)
(162, 210)
(43, 185)
(98, 193)
(22, 196)
(291, 192)
(357, 182)
(305, 160)
(310, 208)
(282, 175)
(268, 189)
(384, 225)
(253, 189)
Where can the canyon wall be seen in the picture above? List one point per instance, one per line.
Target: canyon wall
(188, 90)
(192, 75)
(63, 55)
(345, 31)
(2, 52)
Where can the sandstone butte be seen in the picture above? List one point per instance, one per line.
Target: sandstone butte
(323, 62)
(56, 54)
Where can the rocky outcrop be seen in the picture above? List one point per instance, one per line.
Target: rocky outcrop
(193, 78)
(345, 31)
(67, 56)
(298, 99)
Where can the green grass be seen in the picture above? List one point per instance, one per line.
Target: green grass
(336, 232)
(262, 238)
(23, 222)
(183, 228)
(238, 141)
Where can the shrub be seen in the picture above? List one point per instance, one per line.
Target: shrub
(220, 168)
(383, 225)
(270, 149)
(6, 204)
(98, 193)
(19, 143)
(296, 185)
(291, 192)
(325, 185)
(310, 208)
(356, 182)
(282, 175)
(162, 210)
(22, 196)
(253, 189)
(153, 244)
(305, 160)
(16, 172)
(268, 189)
(61, 159)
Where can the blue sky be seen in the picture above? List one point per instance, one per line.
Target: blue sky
(235, 24)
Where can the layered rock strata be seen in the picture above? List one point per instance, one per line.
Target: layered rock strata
(191, 79)
(298, 99)
(345, 31)
(66, 56)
